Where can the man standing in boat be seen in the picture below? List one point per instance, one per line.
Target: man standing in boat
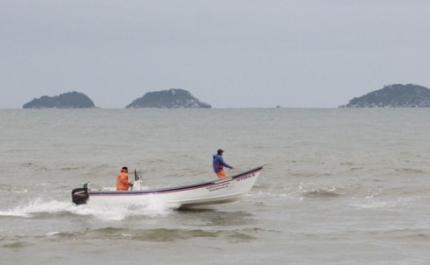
(219, 164)
(122, 183)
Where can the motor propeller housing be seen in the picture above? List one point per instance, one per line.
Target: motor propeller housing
(80, 195)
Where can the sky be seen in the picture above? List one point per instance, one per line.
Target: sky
(230, 53)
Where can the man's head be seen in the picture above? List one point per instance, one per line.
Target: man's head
(124, 169)
(220, 151)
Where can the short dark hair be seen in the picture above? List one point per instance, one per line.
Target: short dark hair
(220, 151)
(124, 168)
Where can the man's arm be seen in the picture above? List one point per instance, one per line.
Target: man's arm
(224, 163)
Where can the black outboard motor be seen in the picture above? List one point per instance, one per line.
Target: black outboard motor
(80, 195)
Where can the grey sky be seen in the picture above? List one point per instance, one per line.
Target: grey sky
(231, 53)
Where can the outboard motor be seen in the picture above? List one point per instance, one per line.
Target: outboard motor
(80, 195)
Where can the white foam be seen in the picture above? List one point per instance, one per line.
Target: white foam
(117, 212)
(112, 212)
(383, 204)
(19, 191)
(52, 233)
(37, 206)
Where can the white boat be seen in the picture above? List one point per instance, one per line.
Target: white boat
(203, 195)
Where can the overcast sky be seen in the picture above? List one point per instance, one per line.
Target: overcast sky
(230, 53)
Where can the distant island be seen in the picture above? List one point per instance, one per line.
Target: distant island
(393, 96)
(169, 99)
(68, 100)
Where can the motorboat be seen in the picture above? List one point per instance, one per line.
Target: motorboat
(202, 195)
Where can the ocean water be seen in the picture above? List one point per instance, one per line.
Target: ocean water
(339, 186)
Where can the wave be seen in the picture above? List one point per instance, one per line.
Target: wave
(13, 189)
(387, 204)
(312, 190)
(299, 193)
(157, 234)
(322, 193)
(409, 170)
(15, 245)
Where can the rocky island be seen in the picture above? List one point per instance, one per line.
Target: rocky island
(393, 96)
(68, 100)
(170, 99)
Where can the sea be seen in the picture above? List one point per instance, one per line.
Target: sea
(339, 186)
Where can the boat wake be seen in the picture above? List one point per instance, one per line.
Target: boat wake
(36, 208)
(40, 208)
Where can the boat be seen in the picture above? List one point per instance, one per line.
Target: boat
(202, 195)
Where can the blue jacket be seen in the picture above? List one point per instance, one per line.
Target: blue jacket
(218, 163)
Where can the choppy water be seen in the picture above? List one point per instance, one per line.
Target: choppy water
(341, 186)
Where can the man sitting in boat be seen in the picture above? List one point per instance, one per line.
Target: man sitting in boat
(219, 164)
(122, 183)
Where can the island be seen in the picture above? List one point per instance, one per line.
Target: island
(68, 100)
(393, 96)
(169, 99)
